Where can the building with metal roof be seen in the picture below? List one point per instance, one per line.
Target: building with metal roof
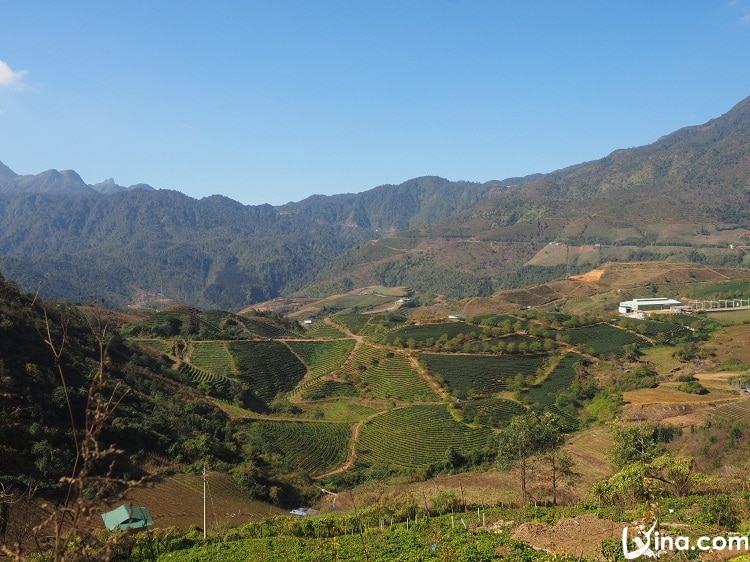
(655, 303)
(127, 517)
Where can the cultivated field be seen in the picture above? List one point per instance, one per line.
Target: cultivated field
(177, 501)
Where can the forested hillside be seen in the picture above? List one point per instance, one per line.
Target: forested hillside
(681, 198)
(151, 247)
(49, 362)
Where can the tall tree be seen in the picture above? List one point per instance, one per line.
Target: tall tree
(551, 437)
(527, 435)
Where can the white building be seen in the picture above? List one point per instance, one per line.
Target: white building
(656, 303)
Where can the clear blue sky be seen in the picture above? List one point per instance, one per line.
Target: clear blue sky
(273, 101)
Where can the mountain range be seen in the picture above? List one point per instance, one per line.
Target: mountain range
(682, 198)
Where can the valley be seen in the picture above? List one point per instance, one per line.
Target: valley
(368, 399)
(437, 369)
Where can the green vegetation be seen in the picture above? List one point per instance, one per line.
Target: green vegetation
(558, 380)
(355, 537)
(425, 335)
(323, 330)
(640, 377)
(279, 435)
(370, 324)
(381, 373)
(392, 377)
(329, 389)
(691, 385)
(530, 434)
(663, 332)
(311, 447)
(266, 367)
(602, 339)
(352, 321)
(418, 436)
(323, 357)
(727, 290)
(490, 412)
(213, 357)
(477, 375)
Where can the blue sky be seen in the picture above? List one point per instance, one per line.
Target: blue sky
(273, 101)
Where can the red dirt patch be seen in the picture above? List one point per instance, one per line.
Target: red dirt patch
(591, 277)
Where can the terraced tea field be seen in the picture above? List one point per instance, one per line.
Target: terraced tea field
(428, 334)
(352, 392)
(213, 357)
(490, 411)
(324, 331)
(379, 372)
(481, 374)
(603, 339)
(322, 390)
(200, 377)
(561, 377)
(322, 357)
(416, 436)
(310, 446)
(394, 378)
(267, 367)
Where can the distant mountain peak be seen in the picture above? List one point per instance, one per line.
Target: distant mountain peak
(7, 173)
(65, 182)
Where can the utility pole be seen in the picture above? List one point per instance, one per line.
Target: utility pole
(204, 501)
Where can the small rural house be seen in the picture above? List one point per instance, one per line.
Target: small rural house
(127, 517)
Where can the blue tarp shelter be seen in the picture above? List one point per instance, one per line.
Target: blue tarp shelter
(126, 517)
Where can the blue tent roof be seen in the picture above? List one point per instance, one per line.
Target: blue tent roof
(127, 517)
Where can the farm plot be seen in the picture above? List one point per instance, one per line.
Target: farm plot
(322, 357)
(323, 330)
(603, 339)
(219, 384)
(165, 347)
(738, 411)
(490, 411)
(267, 367)
(427, 334)
(177, 501)
(213, 356)
(351, 321)
(369, 323)
(561, 377)
(320, 390)
(381, 373)
(417, 436)
(265, 328)
(498, 320)
(481, 374)
(310, 446)
(394, 378)
(665, 331)
(339, 410)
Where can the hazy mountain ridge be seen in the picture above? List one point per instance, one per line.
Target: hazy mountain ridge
(212, 252)
(65, 182)
(466, 238)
